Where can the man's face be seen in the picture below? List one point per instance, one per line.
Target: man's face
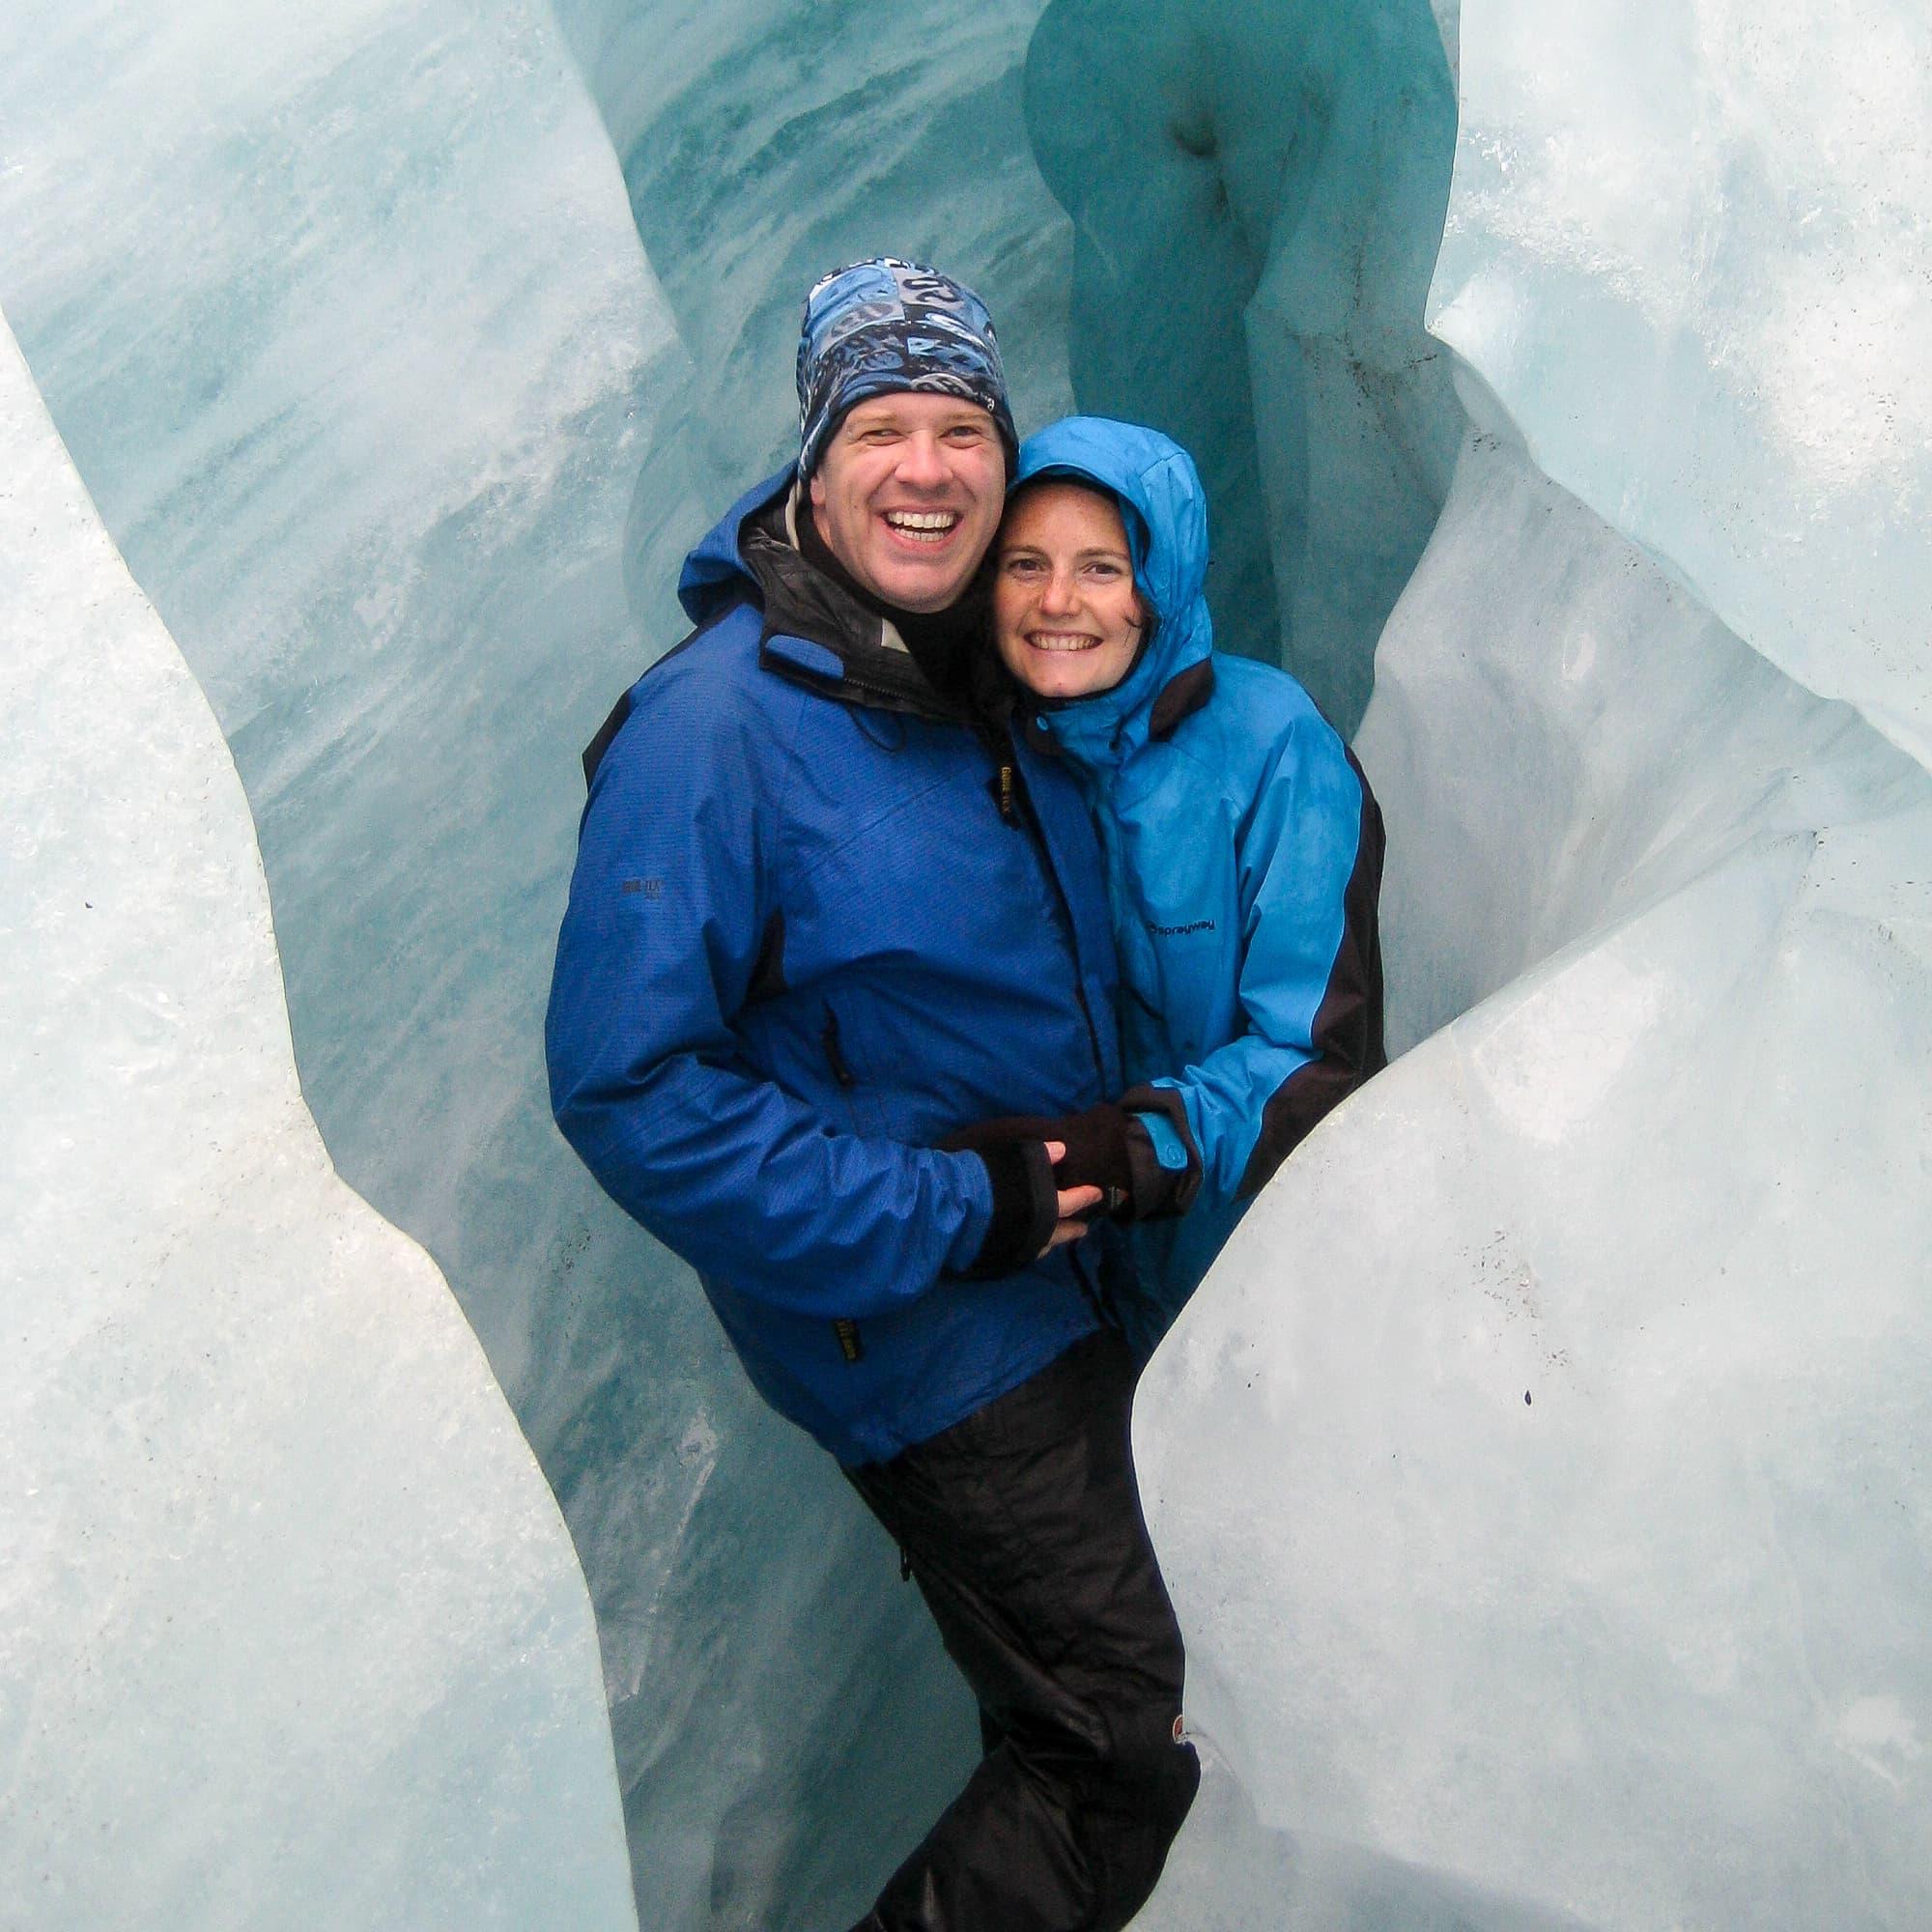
(908, 494)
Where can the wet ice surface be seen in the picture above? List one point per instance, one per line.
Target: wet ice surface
(1257, 196)
(1227, 1872)
(291, 1633)
(346, 322)
(1538, 1473)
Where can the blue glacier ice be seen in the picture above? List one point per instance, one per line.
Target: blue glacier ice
(404, 346)
(290, 1629)
(1257, 194)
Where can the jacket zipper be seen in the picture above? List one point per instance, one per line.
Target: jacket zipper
(833, 1057)
(844, 1330)
(1013, 793)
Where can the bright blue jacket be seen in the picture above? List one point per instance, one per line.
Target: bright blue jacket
(810, 934)
(1243, 852)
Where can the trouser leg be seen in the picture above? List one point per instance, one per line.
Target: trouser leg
(1024, 1532)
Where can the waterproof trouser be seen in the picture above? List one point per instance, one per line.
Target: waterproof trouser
(1022, 1528)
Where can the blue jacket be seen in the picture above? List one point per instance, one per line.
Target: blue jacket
(813, 930)
(1243, 853)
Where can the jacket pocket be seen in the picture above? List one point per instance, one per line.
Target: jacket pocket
(863, 1106)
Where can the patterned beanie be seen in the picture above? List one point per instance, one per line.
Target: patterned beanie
(885, 325)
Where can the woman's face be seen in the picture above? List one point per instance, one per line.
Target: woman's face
(1066, 618)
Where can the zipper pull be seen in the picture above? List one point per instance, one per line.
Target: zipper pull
(834, 1059)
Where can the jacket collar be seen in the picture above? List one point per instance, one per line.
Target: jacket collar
(815, 633)
(1180, 696)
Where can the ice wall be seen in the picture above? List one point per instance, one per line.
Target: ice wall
(404, 347)
(1256, 195)
(291, 1633)
(1689, 256)
(1539, 1471)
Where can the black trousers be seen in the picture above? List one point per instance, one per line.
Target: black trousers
(1022, 1527)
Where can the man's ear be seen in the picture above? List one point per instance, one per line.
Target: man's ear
(816, 489)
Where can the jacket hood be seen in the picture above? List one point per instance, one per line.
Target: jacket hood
(1165, 511)
(715, 574)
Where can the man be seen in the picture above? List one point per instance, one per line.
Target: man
(822, 918)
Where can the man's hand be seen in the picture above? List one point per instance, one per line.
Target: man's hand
(1075, 1204)
(1108, 1157)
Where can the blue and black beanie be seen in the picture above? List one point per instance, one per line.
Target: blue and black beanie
(884, 326)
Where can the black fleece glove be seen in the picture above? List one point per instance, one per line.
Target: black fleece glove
(1026, 1206)
(1106, 1147)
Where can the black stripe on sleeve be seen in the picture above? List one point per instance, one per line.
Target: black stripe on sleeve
(1348, 1031)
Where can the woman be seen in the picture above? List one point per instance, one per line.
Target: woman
(1243, 849)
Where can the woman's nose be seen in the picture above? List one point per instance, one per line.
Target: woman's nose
(1061, 593)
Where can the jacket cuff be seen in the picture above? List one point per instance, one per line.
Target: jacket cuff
(1159, 1189)
(1025, 1207)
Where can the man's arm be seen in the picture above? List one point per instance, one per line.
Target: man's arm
(673, 897)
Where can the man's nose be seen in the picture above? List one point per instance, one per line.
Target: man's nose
(923, 462)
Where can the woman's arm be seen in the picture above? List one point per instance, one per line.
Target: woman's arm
(1309, 973)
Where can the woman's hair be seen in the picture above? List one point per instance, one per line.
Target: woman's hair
(1021, 491)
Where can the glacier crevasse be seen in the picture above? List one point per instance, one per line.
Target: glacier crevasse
(404, 347)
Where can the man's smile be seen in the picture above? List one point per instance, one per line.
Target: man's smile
(921, 526)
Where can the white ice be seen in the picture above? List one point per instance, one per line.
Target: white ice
(1540, 1472)
(290, 1631)
(1687, 248)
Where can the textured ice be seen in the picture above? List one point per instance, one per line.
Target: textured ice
(1257, 194)
(346, 322)
(291, 1633)
(1687, 251)
(1539, 1473)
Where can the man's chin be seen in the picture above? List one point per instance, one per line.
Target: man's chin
(922, 593)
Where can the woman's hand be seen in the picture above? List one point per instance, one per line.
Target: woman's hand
(1074, 1203)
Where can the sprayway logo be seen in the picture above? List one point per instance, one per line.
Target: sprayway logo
(1192, 925)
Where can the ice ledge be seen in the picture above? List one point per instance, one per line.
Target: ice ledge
(290, 1631)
